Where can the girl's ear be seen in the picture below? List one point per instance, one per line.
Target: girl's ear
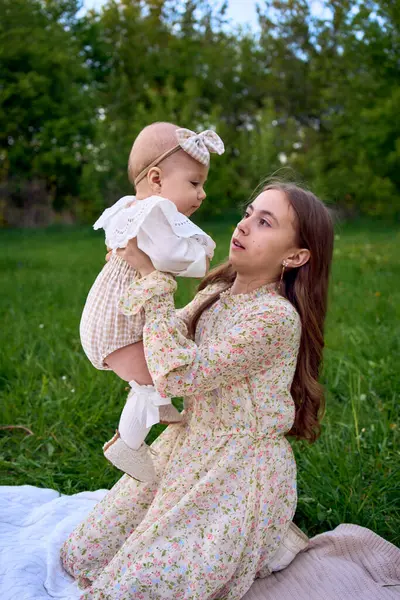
(298, 258)
(154, 179)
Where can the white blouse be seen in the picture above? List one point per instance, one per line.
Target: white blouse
(173, 242)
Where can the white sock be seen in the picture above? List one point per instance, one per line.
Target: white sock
(131, 430)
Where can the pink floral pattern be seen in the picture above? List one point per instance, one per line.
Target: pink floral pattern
(226, 487)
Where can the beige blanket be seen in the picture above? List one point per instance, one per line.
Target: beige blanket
(348, 563)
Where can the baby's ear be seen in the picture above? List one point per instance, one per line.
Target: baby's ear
(154, 179)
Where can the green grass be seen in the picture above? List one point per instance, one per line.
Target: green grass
(46, 383)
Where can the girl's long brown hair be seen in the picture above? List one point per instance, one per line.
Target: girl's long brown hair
(306, 288)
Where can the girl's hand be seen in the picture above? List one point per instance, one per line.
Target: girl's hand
(136, 258)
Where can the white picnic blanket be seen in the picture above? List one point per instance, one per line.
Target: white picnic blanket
(348, 563)
(34, 522)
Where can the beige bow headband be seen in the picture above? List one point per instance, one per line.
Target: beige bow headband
(197, 145)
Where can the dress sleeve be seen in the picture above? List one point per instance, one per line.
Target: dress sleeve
(181, 368)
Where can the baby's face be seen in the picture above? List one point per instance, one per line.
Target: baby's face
(183, 184)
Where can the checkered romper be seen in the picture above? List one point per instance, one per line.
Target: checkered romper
(173, 243)
(103, 329)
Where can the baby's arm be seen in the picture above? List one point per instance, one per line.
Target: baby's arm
(130, 364)
(177, 255)
(180, 252)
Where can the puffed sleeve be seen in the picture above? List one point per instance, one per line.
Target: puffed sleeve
(180, 254)
(185, 257)
(181, 368)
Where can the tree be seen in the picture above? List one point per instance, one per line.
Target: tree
(46, 112)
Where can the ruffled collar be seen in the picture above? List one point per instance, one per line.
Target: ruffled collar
(267, 288)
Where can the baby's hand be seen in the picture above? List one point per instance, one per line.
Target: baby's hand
(108, 255)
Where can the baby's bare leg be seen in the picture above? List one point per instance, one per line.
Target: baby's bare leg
(129, 363)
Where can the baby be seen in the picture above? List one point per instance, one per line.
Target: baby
(168, 167)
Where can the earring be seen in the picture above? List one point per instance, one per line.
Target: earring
(284, 265)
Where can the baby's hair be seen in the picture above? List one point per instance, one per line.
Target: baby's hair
(152, 141)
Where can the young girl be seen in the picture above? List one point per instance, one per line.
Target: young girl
(247, 367)
(168, 167)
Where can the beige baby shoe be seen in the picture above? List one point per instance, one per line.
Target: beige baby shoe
(294, 542)
(169, 414)
(136, 463)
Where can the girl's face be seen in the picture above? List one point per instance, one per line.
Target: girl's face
(265, 237)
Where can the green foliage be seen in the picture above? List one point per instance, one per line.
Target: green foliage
(351, 474)
(46, 113)
(318, 93)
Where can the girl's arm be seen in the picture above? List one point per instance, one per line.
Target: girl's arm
(129, 362)
(181, 368)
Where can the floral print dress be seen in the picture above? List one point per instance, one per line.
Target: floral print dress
(226, 487)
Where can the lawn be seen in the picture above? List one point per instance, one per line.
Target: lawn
(351, 474)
